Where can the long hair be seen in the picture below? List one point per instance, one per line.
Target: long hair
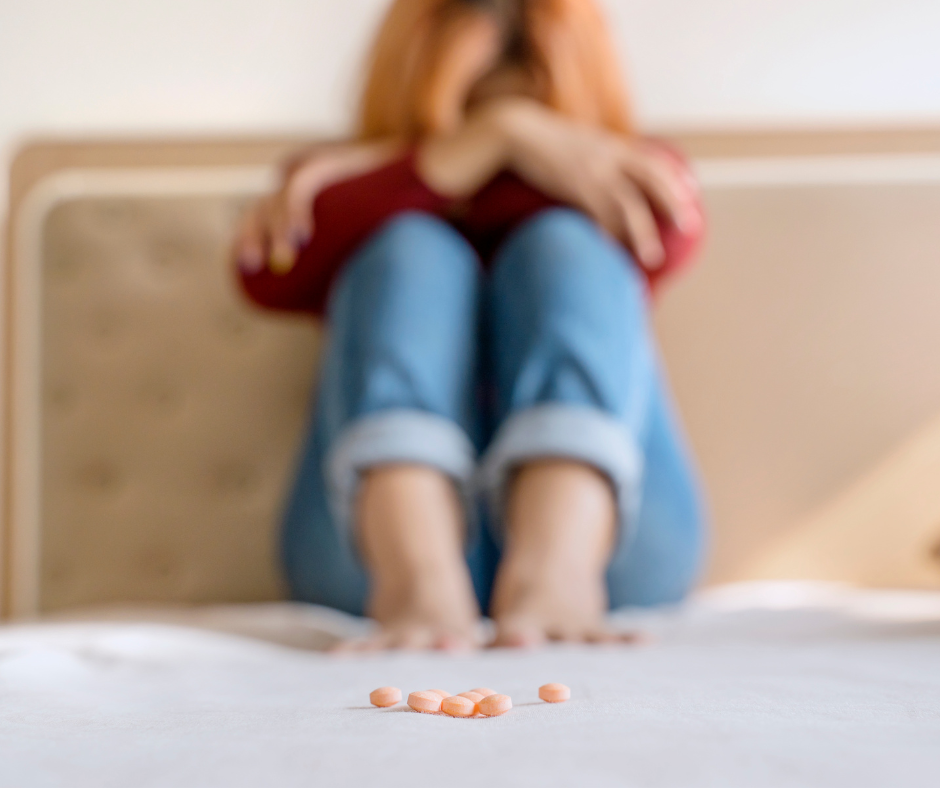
(564, 45)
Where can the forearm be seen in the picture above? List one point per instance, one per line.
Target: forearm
(507, 134)
(458, 165)
(339, 160)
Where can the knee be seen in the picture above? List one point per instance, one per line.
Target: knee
(416, 244)
(563, 248)
(414, 258)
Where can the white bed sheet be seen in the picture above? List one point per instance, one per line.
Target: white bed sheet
(756, 685)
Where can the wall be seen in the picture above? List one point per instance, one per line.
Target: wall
(113, 66)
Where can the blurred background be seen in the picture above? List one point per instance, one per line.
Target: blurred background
(184, 66)
(802, 348)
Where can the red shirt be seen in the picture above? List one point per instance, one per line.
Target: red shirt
(347, 213)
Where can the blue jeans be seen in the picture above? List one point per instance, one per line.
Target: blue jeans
(549, 354)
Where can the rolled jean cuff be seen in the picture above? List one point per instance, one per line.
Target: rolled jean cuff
(397, 436)
(570, 432)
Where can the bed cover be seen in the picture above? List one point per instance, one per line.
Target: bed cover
(748, 685)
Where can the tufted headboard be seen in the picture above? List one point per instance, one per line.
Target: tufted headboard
(156, 414)
(152, 417)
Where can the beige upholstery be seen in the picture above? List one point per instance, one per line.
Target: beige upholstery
(152, 462)
(805, 347)
(171, 410)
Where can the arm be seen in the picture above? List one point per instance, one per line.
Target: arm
(617, 181)
(623, 183)
(274, 228)
(345, 213)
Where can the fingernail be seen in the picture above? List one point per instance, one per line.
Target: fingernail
(689, 221)
(281, 261)
(250, 262)
(299, 237)
(653, 256)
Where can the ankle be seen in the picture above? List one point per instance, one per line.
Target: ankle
(409, 518)
(410, 527)
(560, 513)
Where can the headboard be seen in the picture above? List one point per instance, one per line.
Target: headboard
(152, 417)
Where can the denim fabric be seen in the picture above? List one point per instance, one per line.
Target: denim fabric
(430, 360)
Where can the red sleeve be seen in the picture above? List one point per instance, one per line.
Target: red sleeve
(507, 201)
(345, 214)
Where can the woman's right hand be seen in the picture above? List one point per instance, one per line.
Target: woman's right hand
(275, 227)
(621, 182)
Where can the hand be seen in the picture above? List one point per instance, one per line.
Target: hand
(278, 225)
(621, 183)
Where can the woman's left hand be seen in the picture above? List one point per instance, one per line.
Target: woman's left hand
(621, 182)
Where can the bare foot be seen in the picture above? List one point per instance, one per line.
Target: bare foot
(561, 520)
(410, 525)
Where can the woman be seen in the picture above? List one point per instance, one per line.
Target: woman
(492, 431)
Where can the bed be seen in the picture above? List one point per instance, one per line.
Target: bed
(148, 641)
(771, 685)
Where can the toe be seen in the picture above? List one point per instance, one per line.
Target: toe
(518, 634)
(452, 641)
(356, 645)
(602, 636)
(609, 636)
(413, 639)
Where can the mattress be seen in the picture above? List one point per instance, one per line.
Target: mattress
(746, 685)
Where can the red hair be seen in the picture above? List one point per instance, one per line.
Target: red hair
(564, 45)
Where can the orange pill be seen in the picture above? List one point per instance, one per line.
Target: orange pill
(385, 696)
(476, 697)
(494, 705)
(442, 693)
(554, 693)
(426, 702)
(484, 691)
(457, 706)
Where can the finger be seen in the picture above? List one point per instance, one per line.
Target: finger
(300, 193)
(639, 228)
(413, 639)
(603, 207)
(249, 244)
(664, 186)
(283, 251)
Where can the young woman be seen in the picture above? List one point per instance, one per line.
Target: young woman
(492, 431)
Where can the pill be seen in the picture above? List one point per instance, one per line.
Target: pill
(494, 705)
(385, 696)
(484, 691)
(442, 693)
(554, 693)
(476, 697)
(457, 706)
(427, 702)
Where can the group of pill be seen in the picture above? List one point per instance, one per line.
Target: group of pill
(479, 702)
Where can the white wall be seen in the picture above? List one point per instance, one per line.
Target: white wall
(124, 66)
